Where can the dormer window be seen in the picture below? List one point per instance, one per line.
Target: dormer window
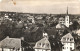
(64, 38)
(47, 45)
(71, 39)
(39, 44)
(43, 44)
(67, 39)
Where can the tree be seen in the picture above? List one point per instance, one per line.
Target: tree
(75, 25)
(78, 48)
(26, 46)
(55, 42)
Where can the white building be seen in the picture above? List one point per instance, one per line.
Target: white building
(68, 42)
(67, 21)
(43, 45)
(10, 44)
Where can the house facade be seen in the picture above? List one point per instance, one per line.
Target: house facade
(68, 42)
(43, 45)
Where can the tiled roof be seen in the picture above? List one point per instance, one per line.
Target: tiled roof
(67, 38)
(10, 43)
(43, 44)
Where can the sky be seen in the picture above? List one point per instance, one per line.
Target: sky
(41, 6)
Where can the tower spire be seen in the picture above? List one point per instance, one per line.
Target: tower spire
(67, 10)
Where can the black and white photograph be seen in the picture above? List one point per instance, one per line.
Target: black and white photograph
(39, 25)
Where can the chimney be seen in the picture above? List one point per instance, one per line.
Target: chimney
(7, 37)
(22, 38)
(45, 35)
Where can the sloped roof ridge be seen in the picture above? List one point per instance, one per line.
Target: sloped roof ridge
(43, 40)
(68, 35)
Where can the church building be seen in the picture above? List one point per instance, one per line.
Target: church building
(65, 20)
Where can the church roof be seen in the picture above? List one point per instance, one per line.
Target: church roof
(11, 43)
(43, 44)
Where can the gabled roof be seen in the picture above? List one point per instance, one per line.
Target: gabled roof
(68, 35)
(67, 38)
(43, 44)
(11, 43)
(44, 40)
(60, 26)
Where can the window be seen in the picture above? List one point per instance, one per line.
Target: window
(43, 45)
(64, 47)
(70, 48)
(47, 45)
(64, 38)
(67, 39)
(71, 39)
(70, 44)
(39, 44)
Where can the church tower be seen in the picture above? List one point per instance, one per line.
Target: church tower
(67, 19)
